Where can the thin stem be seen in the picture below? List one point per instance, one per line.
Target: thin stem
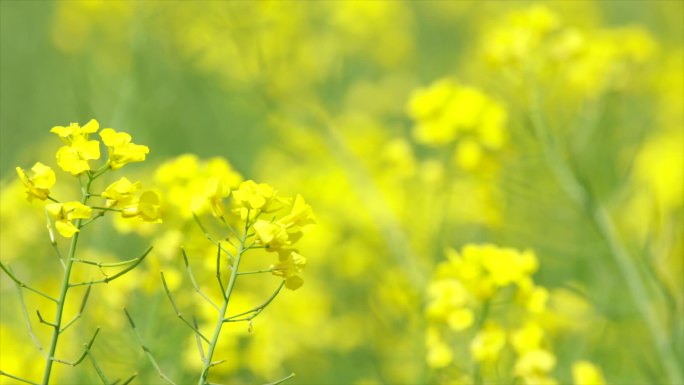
(115, 276)
(194, 283)
(23, 285)
(24, 313)
(98, 369)
(80, 310)
(106, 209)
(102, 264)
(17, 378)
(43, 321)
(257, 309)
(199, 340)
(601, 218)
(218, 270)
(222, 312)
(178, 313)
(147, 351)
(63, 291)
(281, 380)
(80, 359)
(59, 254)
(255, 272)
(93, 219)
(129, 379)
(210, 238)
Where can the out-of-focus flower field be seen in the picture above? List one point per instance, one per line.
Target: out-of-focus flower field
(497, 188)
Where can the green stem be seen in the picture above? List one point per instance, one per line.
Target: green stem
(599, 215)
(63, 293)
(222, 312)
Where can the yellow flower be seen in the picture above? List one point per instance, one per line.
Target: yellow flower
(217, 189)
(439, 355)
(121, 149)
(253, 196)
(120, 193)
(301, 215)
(273, 235)
(37, 186)
(147, 208)
(488, 343)
(74, 157)
(65, 213)
(73, 131)
(527, 338)
(535, 364)
(289, 268)
(586, 373)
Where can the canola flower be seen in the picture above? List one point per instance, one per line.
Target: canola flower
(69, 218)
(250, 59)
(39, 185)
(246, 231)
(462, 303)
(448, 113)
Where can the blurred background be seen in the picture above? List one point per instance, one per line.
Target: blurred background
(343, 102)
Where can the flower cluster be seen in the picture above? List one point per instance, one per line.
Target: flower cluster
(252, 200)
(462, 298)
(74, 157)
(447, 113)
(536, 42)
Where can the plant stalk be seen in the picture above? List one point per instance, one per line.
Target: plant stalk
(222, 312)
(63, 292)
(600, 217)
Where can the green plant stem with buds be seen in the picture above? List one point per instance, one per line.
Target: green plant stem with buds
(61, 300)
(222, 312)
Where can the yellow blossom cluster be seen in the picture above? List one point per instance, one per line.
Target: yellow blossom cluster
(74, 157)
(536, 42)
(449, 113)
(463, 303)
(252, 200)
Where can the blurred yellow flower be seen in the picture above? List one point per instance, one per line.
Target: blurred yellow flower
(534, 364)
(64, 213)
(527, 338)
(121, 149)
(38, 185)
(586, 373)
(147, 207)
(488, 343)
(217, 189)
(289, 268)
(301, 216)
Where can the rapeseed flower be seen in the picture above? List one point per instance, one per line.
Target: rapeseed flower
(64, 213)
(74, 156)
(488, 343)
(146, 207)
(37, 186)
(255, 198)
(120, 193)
(217, 189)
(586, 373)
(121, 149)
(290, 268)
